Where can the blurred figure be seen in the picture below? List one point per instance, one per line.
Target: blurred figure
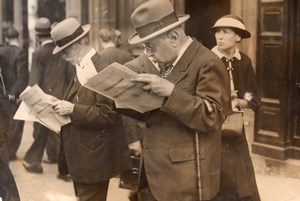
(52, 74)
(14, 78)
(118, 38)
(237, 172)
(111, 41)
(110, 50)
(8, 187)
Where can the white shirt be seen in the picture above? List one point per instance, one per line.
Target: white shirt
(86, 68)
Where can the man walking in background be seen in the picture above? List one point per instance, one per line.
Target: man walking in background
(14, 79)
(53, 75)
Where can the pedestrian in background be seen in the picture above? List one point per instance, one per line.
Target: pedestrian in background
(14, 79)
(110, 51)
(237, 173)
(195, 88)
(94, 143)
(53, 75)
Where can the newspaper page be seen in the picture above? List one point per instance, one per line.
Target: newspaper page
(40, 106)
(114, 82)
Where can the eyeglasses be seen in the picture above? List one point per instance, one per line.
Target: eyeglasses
(148, 46)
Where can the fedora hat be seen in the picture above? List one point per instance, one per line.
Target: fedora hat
(42, 27)
(67, 32)
(153, 18)
(234, 22)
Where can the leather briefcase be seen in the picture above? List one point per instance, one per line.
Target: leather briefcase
(133, 179)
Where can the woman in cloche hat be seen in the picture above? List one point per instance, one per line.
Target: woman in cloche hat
(237, 173)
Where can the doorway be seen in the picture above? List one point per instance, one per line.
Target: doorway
(203, 14)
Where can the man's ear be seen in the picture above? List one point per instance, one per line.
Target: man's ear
(173, 37)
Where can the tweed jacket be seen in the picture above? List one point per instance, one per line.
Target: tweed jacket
(169, 138)
(52, 73)
(94, 143)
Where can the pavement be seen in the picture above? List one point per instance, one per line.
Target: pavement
(46, 187)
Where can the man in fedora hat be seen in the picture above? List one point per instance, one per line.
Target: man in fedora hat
(196, 90)
(14, 79)
(94, 144)
(53, 75)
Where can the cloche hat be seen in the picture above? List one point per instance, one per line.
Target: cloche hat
(234, 22)
(42, 27)
(67, 32)
(153, 18)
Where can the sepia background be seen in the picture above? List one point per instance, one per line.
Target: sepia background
(274, 48)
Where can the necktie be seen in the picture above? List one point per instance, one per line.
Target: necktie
(166, 70)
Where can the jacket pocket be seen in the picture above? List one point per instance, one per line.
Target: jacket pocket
(92, 140)
(181, 155)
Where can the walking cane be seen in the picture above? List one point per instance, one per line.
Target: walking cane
(198, 166)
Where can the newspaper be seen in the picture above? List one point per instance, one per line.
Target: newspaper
(36, 106)
(115, 83)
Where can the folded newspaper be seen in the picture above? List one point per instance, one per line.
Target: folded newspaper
(115, 83)
(36, 106)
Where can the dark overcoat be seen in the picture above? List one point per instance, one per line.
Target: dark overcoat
(52, 73)
(237, 172)
(169, 138)
(94, 142)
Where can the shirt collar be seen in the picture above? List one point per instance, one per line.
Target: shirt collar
(14, 43)
(183, 49)
(108, 44)
(87, 57)
(237, 53)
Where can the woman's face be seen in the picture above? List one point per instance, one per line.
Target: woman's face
(226, 39)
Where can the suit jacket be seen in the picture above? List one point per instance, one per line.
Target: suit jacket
(114, 54)
(52, 73)
(14, 65)
(169, 139)
(94, 143)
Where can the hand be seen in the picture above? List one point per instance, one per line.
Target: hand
(135, 148)
(51, 98)
(235, 103)
(156, 84)
(234, 94)
(62, 107)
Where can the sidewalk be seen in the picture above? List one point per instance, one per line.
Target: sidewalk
(45, 187)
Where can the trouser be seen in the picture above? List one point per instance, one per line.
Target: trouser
(35, 153)
(53, 146)
(91, 192)
(4, 122)
(13, 129)
(62, 162)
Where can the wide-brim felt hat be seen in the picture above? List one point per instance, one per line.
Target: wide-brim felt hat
(153, 18)
(67, 32)
(234, 22)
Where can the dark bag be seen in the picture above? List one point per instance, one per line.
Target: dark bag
(233, 125)
(133, 179)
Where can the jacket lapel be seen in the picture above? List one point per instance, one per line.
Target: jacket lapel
(180, 69)
(73, 88)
